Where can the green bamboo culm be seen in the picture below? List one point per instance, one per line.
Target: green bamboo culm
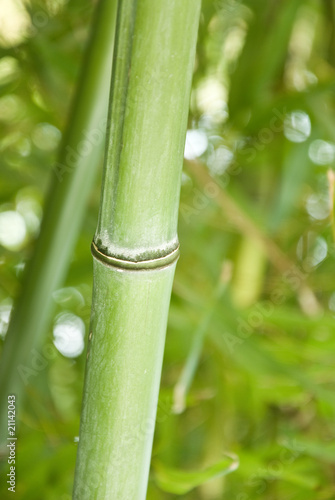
(71, 184)
(135, 246)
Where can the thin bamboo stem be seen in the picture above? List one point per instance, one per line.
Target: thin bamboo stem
(186, 377)
(295, 278)
(69, 191)
(135, 246)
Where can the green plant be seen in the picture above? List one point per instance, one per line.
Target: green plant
(251, 368)
(70, 188)
(135, 247)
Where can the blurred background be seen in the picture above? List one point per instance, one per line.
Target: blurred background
(249, 361)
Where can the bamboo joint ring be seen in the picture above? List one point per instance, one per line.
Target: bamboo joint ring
(141, 265)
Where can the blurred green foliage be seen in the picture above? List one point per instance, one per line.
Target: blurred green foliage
(256, 216)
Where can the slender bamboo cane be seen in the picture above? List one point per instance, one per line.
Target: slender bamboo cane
(69, 191)
(135, 246)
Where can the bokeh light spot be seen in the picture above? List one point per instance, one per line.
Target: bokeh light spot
(69, 331)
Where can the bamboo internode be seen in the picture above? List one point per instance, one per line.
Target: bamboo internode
(135, 247)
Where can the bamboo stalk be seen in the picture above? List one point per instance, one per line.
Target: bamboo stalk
(69, 191)
(135, 246)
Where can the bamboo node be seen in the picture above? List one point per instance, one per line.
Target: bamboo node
(131, 265)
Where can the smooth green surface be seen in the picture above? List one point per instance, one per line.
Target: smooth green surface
(137, 222)
(139, 211)
(71, 184)
(125, 352)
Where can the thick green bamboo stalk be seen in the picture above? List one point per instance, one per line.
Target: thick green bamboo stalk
(69, 191)
(135, 246)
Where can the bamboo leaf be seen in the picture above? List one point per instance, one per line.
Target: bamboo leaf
(180, 482)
